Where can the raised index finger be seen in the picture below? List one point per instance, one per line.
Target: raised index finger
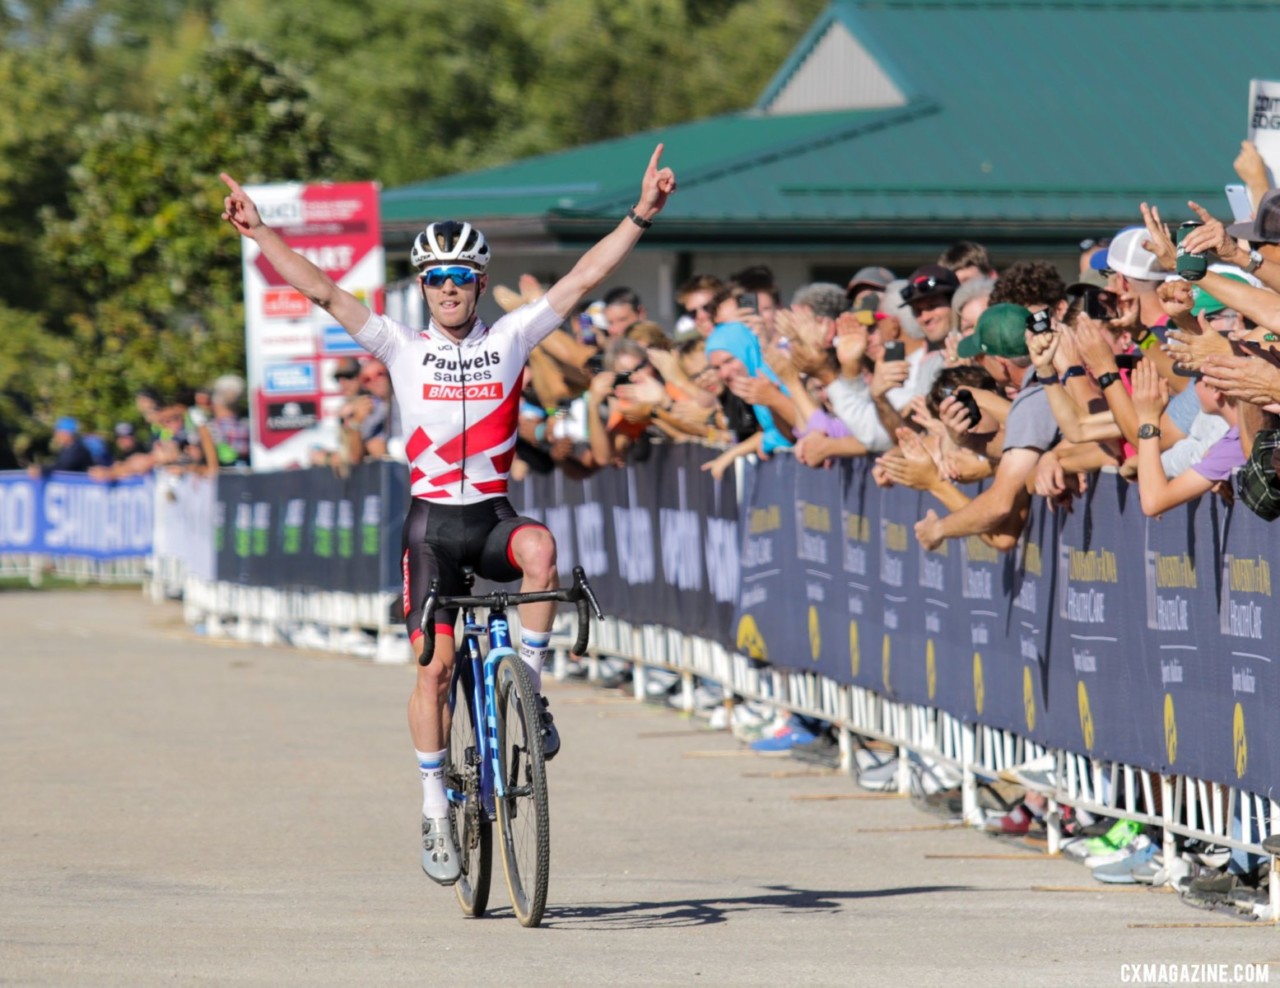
(657, 154)
(1200, 211)
(231, 183)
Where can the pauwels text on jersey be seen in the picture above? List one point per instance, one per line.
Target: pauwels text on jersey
(462, 370)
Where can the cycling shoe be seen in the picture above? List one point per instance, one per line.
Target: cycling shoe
(440, 858)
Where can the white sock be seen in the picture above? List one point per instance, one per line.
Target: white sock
(534, 649)
(435, 804)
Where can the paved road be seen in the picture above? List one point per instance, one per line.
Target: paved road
(174, 810)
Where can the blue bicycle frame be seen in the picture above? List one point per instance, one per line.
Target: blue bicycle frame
(484, 702)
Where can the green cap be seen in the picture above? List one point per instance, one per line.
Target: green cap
(1001, 332)
(1205, 303)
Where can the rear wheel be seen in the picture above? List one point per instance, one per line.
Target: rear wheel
(472, 830)
(524, 818)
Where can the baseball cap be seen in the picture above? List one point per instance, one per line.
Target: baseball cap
(1264, 228)
(871, 277)
(1206, 304)
(123, 429)
(930, 281)
(1094, 276)
(348, 367)
(66, 424)
(1001, 332)
(1128, 257)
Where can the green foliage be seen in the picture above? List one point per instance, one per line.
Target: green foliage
(421, 89)
(115, 269)
(152, 274)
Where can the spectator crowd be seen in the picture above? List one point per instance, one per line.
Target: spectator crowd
(1157, 356)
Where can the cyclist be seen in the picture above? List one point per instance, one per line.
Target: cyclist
(457, 384)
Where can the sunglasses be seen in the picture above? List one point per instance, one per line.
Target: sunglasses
(460, 276)
(922, 287)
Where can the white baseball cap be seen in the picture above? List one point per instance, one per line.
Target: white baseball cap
(1128, 257)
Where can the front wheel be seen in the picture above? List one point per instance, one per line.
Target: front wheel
(524, 819)
(472, 831)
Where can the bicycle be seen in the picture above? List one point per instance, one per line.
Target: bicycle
(499, 773)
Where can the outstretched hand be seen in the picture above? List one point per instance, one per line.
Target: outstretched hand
(238, 209)
(658, 184)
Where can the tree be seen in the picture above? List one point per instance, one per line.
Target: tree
(152, 272)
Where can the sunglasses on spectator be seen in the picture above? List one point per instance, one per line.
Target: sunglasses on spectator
(922, 286)
(1089, 243)
(709, 309)
(460, 276)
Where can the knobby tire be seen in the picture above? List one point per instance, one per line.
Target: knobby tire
(472, 829)
(524, 819)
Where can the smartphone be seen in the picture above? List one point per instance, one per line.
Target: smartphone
(1099, 303)
(1127, 361)
(1238, 200)
(621, 378)
(748, 302)
(1040, 322)
(894, 350)
(970, 404)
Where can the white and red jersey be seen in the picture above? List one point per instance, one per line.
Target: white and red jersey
(459, 402)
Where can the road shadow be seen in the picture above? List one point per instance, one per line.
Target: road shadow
(678, 913)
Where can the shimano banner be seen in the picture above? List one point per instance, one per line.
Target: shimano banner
(69, 514)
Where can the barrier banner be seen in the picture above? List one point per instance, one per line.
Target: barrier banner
(311, 529)
(658, 539)
(1130, 638)
(69, 514)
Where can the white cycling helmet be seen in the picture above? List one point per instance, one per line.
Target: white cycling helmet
(449, 240)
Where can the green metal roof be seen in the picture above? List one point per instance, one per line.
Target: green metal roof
(1020, 118)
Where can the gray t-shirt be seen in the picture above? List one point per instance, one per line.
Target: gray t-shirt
(1184, 408)
(1031, 424)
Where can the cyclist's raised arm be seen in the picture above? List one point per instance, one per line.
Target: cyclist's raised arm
(603, 259)
(239, 210)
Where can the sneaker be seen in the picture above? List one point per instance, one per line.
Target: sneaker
(1119, 834)
(1035, 774)
(550, 736)
(1136, 843)
(823, 750)
(440, 859)
(929, 777)
(751, 722)
(1016, 823)
(782, 742)
(1120, 872)
(1146, 872)
(880, 778)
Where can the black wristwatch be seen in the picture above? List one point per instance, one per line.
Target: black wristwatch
(1148, 431)
(1075, 370)
(1106, 380)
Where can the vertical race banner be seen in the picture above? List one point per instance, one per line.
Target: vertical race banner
(291, 345)
(860, 527)
(1264, 122)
